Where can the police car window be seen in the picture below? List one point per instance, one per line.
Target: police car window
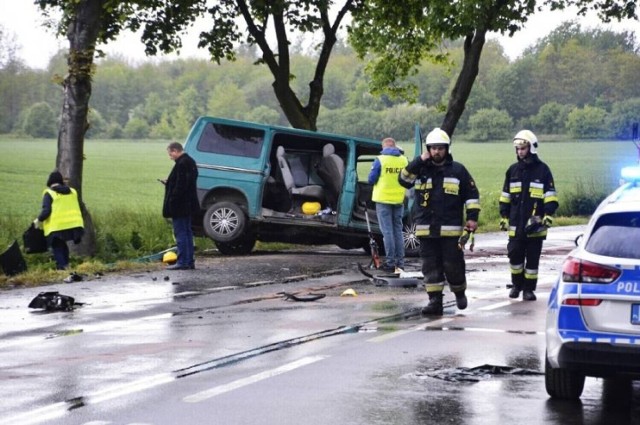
(616, 235)
(231, 140)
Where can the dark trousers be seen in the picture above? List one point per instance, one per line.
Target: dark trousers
(524, 259)
(442, 262)
(184, 240)
(60, 253)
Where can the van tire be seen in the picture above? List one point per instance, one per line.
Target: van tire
(224, 222)
(242, 246)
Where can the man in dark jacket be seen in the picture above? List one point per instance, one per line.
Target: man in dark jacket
(527, 203)
(61, 218)
(444, 189)
(180, 202)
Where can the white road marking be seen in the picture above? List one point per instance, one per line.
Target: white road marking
(221, 389)
(495, 306)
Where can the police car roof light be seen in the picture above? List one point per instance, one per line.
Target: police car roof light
(631, 174)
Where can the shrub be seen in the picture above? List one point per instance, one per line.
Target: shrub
(487, 124)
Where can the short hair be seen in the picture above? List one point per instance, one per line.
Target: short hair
(174, 146)
(388, 141)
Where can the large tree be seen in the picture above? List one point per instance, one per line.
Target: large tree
(271, 26)
(86, 25)
(402, 34)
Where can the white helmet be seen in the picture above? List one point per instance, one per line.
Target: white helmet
(525, 137)
(437, 137)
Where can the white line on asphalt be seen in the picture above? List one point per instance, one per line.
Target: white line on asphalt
(221, 389)
(420, 327)
(495, 306)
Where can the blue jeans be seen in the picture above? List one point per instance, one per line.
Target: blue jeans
(184, 240)
(390, 222)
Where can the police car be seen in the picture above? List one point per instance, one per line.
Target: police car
(593, 315)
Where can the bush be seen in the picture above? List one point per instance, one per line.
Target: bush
(587, 122)
(488, 124)
(583, 200)
(40, 121)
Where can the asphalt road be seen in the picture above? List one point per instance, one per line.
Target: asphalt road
(222, 344)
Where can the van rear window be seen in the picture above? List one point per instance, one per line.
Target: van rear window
(231, 140)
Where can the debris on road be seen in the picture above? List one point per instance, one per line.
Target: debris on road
(478, 373)
(53, 301)
(303, 298)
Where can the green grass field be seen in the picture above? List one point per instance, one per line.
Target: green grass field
(121, 191)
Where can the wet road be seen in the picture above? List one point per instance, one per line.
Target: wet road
(181, 351)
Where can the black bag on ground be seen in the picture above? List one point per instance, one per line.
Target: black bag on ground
(12, 261)
(34, 240)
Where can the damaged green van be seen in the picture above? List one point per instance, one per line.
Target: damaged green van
(276, 184)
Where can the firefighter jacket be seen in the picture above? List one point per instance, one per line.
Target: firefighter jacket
(528, 190)
(442, 193)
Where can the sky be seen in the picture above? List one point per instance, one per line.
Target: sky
(22, 19)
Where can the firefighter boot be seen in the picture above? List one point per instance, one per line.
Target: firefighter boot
(461, 299)
(528, 288)
(514, 292)
(434, 308)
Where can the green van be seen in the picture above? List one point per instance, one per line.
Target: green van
(276, 184)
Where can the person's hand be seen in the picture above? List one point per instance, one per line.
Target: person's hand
(36, 223)
(425, 155)
(471, 226)
(547, 221)
(504, 224)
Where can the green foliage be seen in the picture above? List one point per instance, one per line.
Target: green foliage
(587, 122)
(583, 199)
(136, 128)
(551, 118)
(40, 121)
(622, 117)
(488, 124)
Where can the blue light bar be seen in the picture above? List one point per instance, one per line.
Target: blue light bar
(631, 174)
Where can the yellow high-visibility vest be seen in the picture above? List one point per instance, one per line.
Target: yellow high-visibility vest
(387, 190)
(65, 212)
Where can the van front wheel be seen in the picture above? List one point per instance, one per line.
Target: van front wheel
(224, 221)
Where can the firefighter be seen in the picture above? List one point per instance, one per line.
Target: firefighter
(444, 189)
(527, 204)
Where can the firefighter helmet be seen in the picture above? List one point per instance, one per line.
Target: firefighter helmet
(437, 136)
(524, 137)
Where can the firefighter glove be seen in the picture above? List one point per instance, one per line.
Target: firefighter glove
(504, 224)
(547, 221)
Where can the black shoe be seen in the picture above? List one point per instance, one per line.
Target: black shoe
(514, 292)
(177, 267)
(461, 300)
(434, 308)
(528, 295)
(387, 269)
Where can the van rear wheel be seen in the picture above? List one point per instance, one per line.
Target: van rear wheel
(225, 222)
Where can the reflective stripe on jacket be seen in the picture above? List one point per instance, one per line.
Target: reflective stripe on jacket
(442, 195)
(528, 190)
(65, 212)
(387, 190)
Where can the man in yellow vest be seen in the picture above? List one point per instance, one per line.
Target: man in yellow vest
(61, 218)
(388, 195)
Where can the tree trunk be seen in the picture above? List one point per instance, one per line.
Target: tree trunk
(473, 45)
(82, 35)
